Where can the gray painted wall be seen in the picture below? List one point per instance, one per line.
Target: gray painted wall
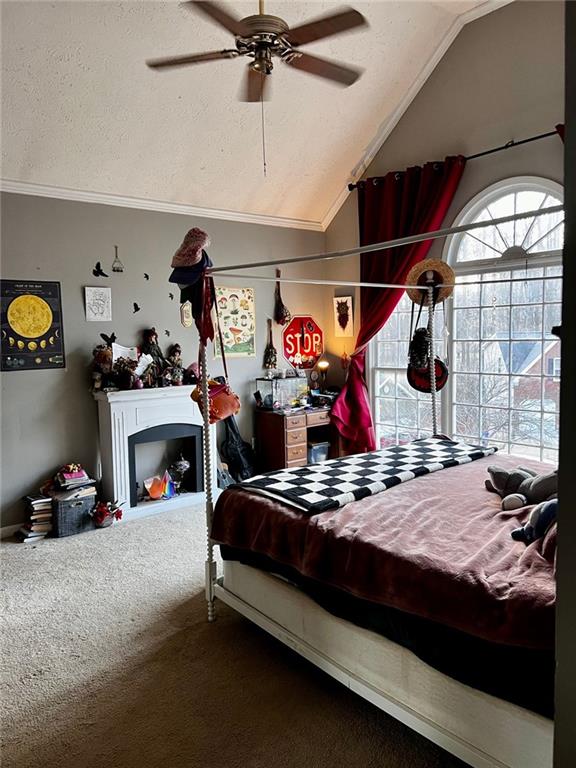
(49, 417)
(565, 743)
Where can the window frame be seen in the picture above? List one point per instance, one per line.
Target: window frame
(449, 254)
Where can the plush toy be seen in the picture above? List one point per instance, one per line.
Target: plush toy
(539, 521)
(521, 486)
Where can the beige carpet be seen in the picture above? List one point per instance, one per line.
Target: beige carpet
(108, 661)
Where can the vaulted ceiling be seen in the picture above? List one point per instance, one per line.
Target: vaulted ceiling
(81, 112)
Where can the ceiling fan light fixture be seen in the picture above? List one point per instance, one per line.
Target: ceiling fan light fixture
(262, 61)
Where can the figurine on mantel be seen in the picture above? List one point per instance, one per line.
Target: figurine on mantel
(151, 347)
(176, 365)
(101, 367)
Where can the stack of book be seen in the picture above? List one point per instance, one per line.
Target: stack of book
(47, 509)
(39, 523)
(72, 482)
(69, 478)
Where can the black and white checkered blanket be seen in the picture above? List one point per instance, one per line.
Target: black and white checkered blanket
(335, 483)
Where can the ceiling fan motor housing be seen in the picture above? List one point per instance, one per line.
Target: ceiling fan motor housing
(263, 38)
(264, 25)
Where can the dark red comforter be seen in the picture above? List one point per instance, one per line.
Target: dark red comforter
(438, 546)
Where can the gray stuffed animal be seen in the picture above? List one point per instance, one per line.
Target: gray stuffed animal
(521, 486)
(541, 518)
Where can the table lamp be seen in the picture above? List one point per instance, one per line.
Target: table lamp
(322, 366)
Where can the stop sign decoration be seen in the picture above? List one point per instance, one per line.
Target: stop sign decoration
(302, 341)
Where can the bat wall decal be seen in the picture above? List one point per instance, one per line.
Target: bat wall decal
(108, 339)
(98, 271)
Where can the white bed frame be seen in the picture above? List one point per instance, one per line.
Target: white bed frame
(482, 730)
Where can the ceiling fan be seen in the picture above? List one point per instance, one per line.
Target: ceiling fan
(262, 37)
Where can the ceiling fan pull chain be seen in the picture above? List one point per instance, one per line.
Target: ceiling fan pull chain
(263, 126)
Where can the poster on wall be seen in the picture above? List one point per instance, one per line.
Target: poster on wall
(237, 321)
(98, 304)
(31, 324)
(343, 317)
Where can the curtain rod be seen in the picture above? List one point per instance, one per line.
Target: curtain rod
(399, 241)
(356, 284)
(508, 145)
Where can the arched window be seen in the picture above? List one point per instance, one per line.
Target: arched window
(504, 361)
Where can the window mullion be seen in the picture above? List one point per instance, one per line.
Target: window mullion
(509, 431)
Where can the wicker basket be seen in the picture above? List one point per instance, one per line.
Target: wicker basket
(72, 516)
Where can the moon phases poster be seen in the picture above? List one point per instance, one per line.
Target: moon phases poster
(31, 325)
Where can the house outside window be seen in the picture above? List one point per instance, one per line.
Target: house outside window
(504, 387)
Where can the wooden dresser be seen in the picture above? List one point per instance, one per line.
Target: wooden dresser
(282, 438)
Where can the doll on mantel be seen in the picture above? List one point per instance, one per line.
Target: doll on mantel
(176, 366)
(151, 347)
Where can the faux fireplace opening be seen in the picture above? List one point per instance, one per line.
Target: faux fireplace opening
(177, 439)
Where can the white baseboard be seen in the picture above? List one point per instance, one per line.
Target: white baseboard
(6, 531)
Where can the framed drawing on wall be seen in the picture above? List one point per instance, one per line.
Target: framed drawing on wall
(343, 317)
(98, 304)
(31, 324)
(237, 321)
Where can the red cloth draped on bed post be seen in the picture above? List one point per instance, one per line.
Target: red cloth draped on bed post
(396, 205)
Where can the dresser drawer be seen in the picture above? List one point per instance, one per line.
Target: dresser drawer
(323, 417)
(296, 437)
(297, 463)
(292, 422)
(296, 453)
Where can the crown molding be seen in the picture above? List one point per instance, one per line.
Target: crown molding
(122, 201)
(392, 121)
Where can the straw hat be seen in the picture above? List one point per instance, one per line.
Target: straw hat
(443, 275)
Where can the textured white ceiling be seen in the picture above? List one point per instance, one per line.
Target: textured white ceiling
(82, 111)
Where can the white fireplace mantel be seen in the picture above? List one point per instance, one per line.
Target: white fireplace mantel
(125, 413)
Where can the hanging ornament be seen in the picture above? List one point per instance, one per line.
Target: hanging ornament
(281, 312)
(270, 354)
(117, 265)
(186, 318)
(345, 360)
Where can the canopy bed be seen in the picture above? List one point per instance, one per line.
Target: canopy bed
(416, 598)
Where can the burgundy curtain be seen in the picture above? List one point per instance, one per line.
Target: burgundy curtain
(396, 205)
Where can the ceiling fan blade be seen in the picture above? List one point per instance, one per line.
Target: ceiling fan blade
(325, 26)
(192, 58)
(255, 86)
(220, 16)
(331, 70)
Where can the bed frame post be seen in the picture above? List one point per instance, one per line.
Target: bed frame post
(431, 357)
(210, 571)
